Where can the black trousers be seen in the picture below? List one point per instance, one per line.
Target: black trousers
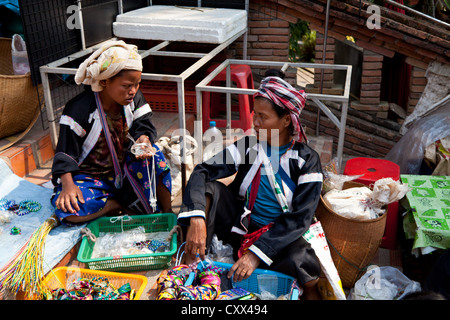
(297, 259)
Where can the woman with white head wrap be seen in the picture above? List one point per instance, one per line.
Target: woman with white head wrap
(92, 169)
(106, 62)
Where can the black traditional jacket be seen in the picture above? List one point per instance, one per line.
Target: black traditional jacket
(80, 129)
(302, 165)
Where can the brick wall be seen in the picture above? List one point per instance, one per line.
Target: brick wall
(372, 69)
(371, 78)
(267, 40)
(368, 132)
(418, 82)
(365, 134)
(328, 75)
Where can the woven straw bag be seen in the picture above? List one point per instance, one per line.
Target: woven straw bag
(19, 101)
(353, 243)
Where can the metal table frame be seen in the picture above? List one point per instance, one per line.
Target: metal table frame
(314, 97)
(56, 67)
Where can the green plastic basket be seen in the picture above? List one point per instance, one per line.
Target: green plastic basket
(138, 262)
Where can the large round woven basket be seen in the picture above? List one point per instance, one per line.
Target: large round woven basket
(19, 100)
(353, 243)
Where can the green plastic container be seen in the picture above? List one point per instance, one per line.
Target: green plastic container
(129, 263)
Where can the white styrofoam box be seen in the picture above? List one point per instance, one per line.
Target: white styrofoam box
(190, 24)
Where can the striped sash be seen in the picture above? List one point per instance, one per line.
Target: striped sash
(138, 190)
(112, 150)
(273, 182)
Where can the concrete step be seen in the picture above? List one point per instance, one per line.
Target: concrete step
(31, 153)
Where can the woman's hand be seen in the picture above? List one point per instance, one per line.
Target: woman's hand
(70, 195)
(244, 267)
(196, 239)
(148, 150)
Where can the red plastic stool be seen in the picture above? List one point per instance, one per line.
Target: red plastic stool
(241, 74)
(373, 170)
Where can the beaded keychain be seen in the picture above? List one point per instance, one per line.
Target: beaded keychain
(153, 245)
(138, 149)
(23, 208)
(6, 204)
(15, 231)
(27, 206)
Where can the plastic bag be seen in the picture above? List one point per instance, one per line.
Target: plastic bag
(336, 181)
(220, 252)
(332, 179)
(6, 216)
(332, 290)
(387, 190)
(409, 151)
(383, 283)
(19, 55)
(130, 242)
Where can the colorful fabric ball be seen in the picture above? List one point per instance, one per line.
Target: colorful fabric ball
(181, 271)
(187, 293)
(168, 294)
(206, 292)
(211, 279)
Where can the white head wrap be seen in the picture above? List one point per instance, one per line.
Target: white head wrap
(106, 62)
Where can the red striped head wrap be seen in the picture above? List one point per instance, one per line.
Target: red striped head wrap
(286, 97)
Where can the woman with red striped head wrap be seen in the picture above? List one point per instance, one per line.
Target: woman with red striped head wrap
(282, 95)
(272, 200)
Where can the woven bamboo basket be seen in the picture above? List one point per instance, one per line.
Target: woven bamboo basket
(353, 243)
(19, 101)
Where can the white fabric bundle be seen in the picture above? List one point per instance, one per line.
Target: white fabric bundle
(361, 203)
(387, 190)
(350, 203)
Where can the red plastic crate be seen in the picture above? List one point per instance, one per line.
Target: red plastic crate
(163, 95)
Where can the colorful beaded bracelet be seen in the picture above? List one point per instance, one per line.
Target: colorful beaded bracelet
(30, 205)
(21, 209)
